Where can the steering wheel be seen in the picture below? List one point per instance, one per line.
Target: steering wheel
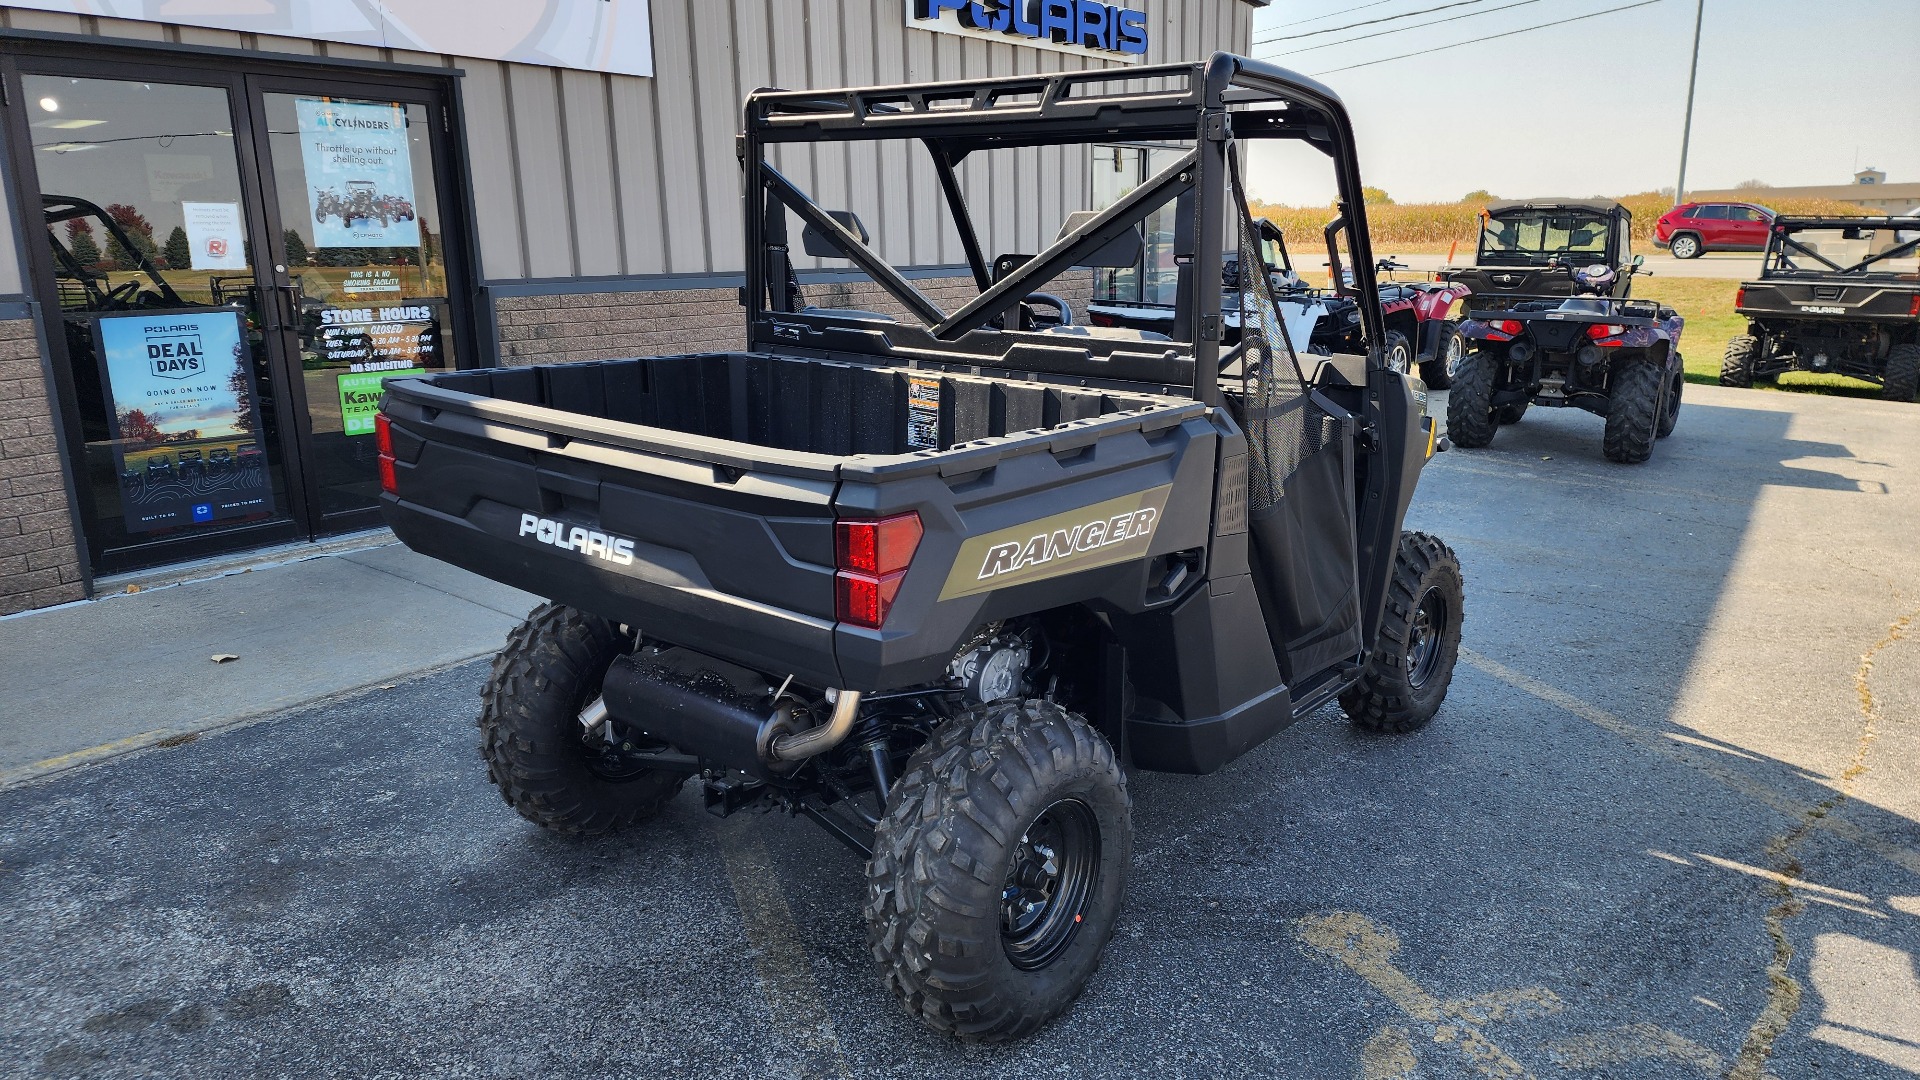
(1066, 311)
(123, 295)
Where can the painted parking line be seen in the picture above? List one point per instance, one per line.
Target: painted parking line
(1709, 762)
(794, 1000)
(1460, 1025)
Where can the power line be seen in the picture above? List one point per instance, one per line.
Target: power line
(1343, 11)
(1368, 22)
(1490, 37)
(1402, 29)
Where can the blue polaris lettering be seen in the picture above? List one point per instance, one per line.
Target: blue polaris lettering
(1092, 21)
(1057, 19)
(1133, 32)
(1087, 24)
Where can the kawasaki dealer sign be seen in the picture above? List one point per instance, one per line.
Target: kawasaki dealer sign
(1087, 27)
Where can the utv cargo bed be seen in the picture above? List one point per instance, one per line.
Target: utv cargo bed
(700, 492)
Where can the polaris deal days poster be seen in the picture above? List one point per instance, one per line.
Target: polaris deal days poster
(186, 423)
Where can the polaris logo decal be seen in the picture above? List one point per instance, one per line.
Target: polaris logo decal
(592, 543)
(1099, 535)
(1815, 310)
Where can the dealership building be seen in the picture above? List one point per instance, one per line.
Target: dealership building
(233, 219)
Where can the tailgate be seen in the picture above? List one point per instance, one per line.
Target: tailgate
(729, 544)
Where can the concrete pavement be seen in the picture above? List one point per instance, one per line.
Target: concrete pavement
(1666, 826)
(129, 670)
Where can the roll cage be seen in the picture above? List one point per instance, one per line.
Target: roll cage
(1783, 249)
(1211, 105)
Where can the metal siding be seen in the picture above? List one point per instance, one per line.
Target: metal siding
(490, 145)
(540, 159)
(632, 131)
(591, 175)
(713, 53)
(679, 143)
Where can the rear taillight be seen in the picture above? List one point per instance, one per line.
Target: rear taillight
(1740, 298)
(871, 557)
(1914, 307)
(383, 441)
(1505, 328)
(1605, 330)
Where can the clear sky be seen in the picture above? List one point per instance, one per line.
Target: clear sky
(1790, 92)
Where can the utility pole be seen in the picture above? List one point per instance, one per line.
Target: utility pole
(1686, 130)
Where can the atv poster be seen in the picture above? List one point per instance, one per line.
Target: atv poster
(359, 173)
(184, 419)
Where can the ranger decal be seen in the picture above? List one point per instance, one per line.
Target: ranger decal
(1099, 535)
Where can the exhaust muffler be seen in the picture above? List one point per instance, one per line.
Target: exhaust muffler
(723, 714)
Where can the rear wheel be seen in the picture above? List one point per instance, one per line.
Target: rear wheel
(1470, 420)
(1633, 414)
(530, 731)
(1399, 352)
(1686, 246)
(1412, 661)
(1438, 372)
(998, 871)
(1903, 374)
(1736, 368)
(1670, 415)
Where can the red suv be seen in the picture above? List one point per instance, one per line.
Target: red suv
(1692, 229)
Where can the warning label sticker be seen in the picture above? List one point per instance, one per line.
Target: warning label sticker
(923, 413)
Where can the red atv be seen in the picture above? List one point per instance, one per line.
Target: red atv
(1418, 330)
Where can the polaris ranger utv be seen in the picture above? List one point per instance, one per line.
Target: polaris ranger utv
(1835, 294)
(932, 578)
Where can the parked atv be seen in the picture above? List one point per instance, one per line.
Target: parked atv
(159, 470)
(192, 466)
(1420, 331)
(1834, 294)
(1529, 249)
(1613, 357)
(933, 579)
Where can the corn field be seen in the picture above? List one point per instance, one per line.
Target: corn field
(1444, 223)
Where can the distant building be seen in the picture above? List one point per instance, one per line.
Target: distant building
(1879, 196)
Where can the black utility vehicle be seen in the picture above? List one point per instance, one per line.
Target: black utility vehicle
(1529, 249)
(931, 578)
(1596, 350)
(1835, 294)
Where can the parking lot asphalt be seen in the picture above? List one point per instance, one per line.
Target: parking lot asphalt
(1666, 825)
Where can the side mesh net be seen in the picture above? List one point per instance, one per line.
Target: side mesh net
(1283, 425)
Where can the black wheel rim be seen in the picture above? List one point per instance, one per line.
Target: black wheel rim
(1049, 882)
(1425, 636)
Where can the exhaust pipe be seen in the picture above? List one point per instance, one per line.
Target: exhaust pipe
(715, 711)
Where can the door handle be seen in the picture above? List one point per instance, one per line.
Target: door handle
(292, 294)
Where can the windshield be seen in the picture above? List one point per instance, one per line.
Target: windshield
(1533, 238)
(1867, 248)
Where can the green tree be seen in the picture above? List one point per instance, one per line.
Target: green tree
(1376, 197)
(139, 232)
(80, 241)
(178, 252)
(242, 389)
(1481, 195)
(297, 253)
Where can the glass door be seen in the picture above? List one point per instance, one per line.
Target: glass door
(165, 357)
(360, 268)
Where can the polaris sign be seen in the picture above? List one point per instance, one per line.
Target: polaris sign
(1086, 27)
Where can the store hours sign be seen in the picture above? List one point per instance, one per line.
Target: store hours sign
(1086, 27)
